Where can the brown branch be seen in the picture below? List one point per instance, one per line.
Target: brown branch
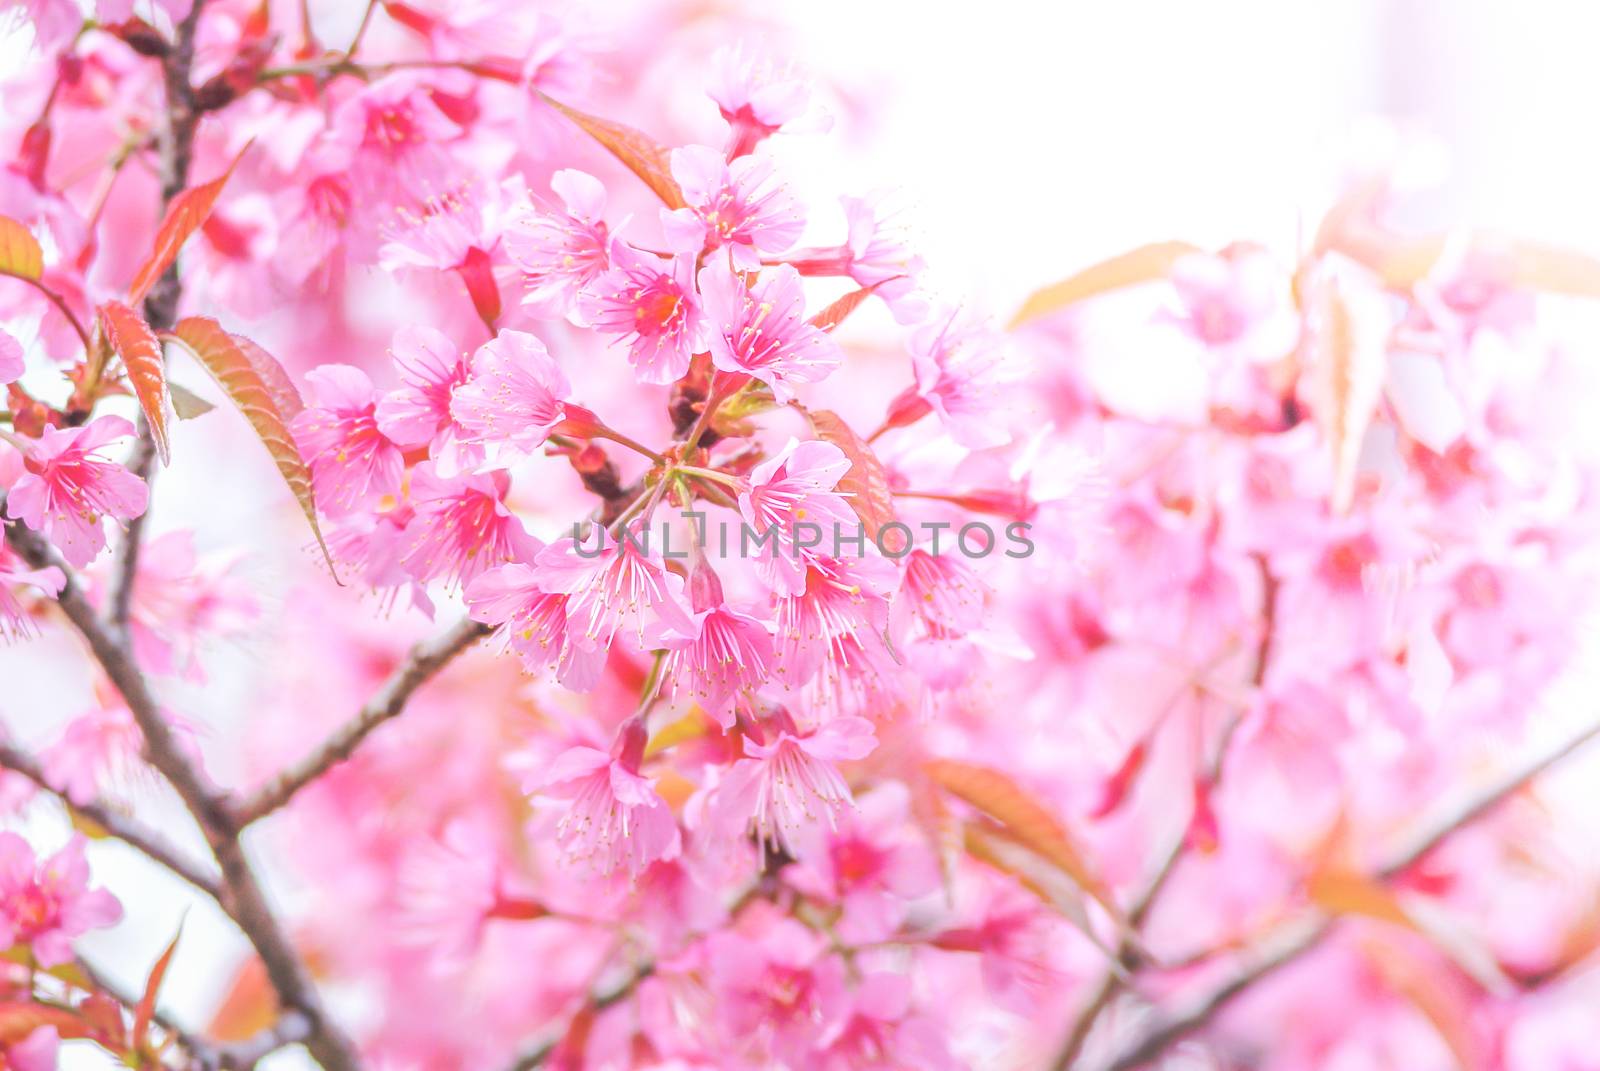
(1111, 982)
(242, 896)
(125, 829)
(1287, 942)
(425, 659)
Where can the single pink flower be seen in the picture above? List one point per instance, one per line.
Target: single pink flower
(613, 583)
(789, 491)
(317, 224)
(724, 654)
(460, 527)
(390, 139)
(562, 252)
(11, 362)
(450, 226)
(96, 748)
(792, 782)
(968, 375)
(514, 396)
(737, 206)
(876, 252)
(615, 819)
(35, 1052)
(353, 464)
(45, 905)
(417, 413)
(650, 304)
(15, 624)
(773, 989)
(178, 601)
(67, 489)
(755, 99)
(942, 593)
(880, 1028)
(833, 629)
(533, 623)
(763, 332)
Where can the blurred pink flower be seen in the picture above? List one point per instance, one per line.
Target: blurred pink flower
(46, 904)
(67, 489)
(353, 464)
(736, 206)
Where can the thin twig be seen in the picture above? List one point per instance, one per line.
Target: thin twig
(242, 895)
(125, 829)
(1111, 981)
(1292, 939)
(425, 659)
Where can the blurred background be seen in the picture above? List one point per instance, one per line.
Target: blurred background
(1025, 140)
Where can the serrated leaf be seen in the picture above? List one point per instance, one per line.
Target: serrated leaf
(256, 383)
(20, 254)
(639, 153)
(1142, 265)
(185, 214)
(1025, 819)
(140, 351)
(835, 314)
(145, 1012)
(187, 404)
(866, 484)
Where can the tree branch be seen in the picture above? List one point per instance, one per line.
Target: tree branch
(1287, 942)
(1111, 981)
(425, 659)
(123, 828)
(242, 896)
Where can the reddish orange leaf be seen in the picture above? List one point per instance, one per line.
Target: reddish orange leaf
(260, 389)
(1024, 818)
(1142, 265)
(20, 1018)
(184, 216)
(249, 1006)
(20, 254)
(834, 314)
(146, 1011)
(285, 395)
(140, 351)
(866, 483)
(638, 152)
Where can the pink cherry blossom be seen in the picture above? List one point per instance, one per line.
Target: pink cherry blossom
(832, 628)
(46, 904)
(353, 464)
(15, 622)
(513, 398)
(762, 332)
(754, 98)
(737, 206)
(792, 488)
(67, 489)
(725, 653)
(968, 375)
(390, 139)
(35, 1052)
(616, 820)
(418, 412)
(460, 527)
(650, 304)
(792, 781)
(534, 623)
(562, 252)
(11, 362)
(613, 583)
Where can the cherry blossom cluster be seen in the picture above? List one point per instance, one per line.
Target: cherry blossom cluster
(1215, 774)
